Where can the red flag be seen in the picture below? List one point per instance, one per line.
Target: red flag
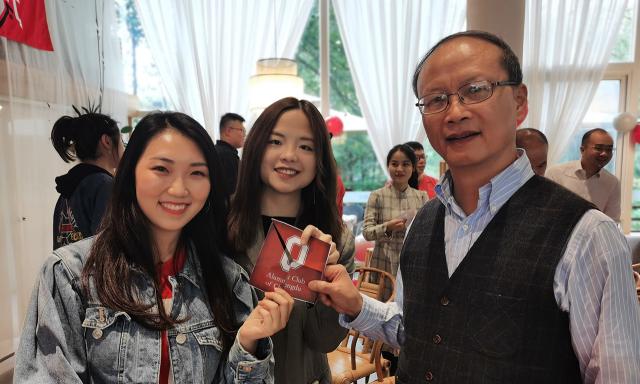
(25, 21)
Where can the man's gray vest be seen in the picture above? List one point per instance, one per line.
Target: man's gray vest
(496, 319)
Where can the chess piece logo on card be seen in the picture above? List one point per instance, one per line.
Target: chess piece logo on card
(288, 261)
(284, 262)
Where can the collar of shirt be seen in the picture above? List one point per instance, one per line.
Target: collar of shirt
(493, 194)
(396, 193)
(575, 170)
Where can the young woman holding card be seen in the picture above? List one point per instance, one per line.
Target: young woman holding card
(151, 298)
(288, 172)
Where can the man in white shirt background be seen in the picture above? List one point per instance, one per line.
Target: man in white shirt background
(587, 177)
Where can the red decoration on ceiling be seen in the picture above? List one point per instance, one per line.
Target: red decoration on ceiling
(25, 22)
(335, 125)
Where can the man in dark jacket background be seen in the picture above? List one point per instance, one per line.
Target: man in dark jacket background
(232, 135)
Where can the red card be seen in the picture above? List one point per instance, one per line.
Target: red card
(275, 269)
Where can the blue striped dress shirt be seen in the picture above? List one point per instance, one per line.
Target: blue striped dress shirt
(593, 282)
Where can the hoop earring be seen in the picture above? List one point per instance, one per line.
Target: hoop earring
(207, 206)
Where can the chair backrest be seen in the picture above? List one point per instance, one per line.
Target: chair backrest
(353, 358)
(374, 283)
(382, 365)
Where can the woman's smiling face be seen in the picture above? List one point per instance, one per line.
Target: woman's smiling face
(289, 160)
(172, 182)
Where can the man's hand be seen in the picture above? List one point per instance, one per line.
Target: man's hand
(338, 292)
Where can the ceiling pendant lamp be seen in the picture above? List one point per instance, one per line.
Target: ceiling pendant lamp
(275, 78)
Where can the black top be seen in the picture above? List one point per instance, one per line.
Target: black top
(84, 194)
(229, 160)
(266, 222)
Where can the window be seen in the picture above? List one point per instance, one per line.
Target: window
(623, 50)
(141, 74)
(353, 151)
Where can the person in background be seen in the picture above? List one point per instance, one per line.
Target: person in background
(232, 135)
(288, 173)
(391, 208)
(93, 139)
(587, 177)
(536, 146)
(425, 182)
(505, 277)
(152, 298)
(389, 212)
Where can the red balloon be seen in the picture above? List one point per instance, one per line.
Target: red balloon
(334, 125)
(635, 134)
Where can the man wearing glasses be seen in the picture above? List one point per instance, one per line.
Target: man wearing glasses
(587, 176)
(232, 135)
(505, 277)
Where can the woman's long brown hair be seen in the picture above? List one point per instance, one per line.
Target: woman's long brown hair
(123, 252)
(318, 206)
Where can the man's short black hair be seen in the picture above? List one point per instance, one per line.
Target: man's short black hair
(587, 134)
(510, 61)
(522, 133)
(415, 145)
(227, 117)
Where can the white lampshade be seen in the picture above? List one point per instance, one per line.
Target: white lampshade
(274, 79)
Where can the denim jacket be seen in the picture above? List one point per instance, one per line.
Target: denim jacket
(69, 339)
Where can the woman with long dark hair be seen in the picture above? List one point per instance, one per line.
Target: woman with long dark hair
(94, 140)
(390, 209)
(152, 298)
(288, 172)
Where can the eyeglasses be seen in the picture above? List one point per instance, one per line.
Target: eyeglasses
(604, 148)
(471, 93)
(244, 130)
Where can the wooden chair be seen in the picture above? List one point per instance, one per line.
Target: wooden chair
(367, 257)
(355, 358)
(382, 369)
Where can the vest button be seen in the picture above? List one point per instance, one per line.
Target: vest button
(181, 338)
(428, 376)
(444, 300)
(437, 339)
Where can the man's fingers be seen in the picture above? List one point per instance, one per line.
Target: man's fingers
(321, 286)
(332, 272)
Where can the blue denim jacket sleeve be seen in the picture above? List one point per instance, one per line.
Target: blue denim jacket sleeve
(244, 367)
(51, 349)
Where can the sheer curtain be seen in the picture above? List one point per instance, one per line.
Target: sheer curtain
(567, 45)
(206, 50)
(384, 40)
(36, 88)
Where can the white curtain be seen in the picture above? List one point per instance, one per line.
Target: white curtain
(384, 40)
(36, 88)
(567, 44)
(206, 50)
